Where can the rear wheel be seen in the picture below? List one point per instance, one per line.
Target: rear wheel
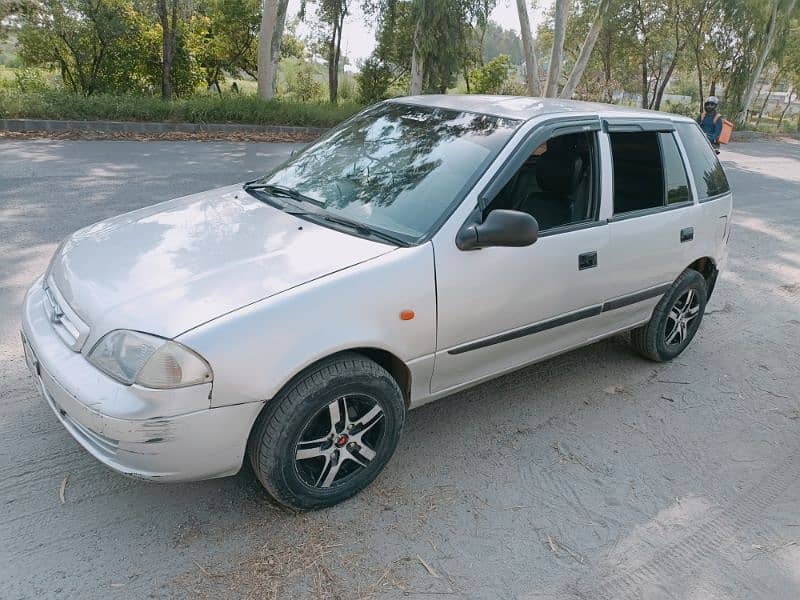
(328, 434)
(675, 319)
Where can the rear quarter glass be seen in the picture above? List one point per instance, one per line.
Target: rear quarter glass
(709, 177)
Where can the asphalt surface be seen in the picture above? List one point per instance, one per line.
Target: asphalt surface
(593, 475)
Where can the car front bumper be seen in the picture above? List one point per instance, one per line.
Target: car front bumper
(163, 435)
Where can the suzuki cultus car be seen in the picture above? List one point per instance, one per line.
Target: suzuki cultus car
(423, 246)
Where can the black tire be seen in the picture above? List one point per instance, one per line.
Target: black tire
(299, 411)
(657, 340)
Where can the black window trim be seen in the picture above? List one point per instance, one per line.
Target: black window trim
(544, 131)
(644, 212)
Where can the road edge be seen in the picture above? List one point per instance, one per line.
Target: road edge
(165, 130)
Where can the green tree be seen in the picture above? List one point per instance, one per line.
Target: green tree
(499, 41)
(491, 78)
(226, 38)
(373, 81)
(332, 14)
(94, 44)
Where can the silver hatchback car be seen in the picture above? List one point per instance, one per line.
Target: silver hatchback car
(425, 245)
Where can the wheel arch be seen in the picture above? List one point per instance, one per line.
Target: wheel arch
(396, 367)
(707, 267)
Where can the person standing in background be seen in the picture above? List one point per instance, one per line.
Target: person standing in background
(711, 121)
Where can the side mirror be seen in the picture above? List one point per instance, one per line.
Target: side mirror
(500, 228)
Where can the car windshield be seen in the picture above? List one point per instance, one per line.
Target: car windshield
(394, 168)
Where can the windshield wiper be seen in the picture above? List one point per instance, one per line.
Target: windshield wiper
(293, 209)
(281, 190)
(361, 228)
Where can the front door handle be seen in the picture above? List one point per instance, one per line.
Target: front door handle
(587, 260)
(687, 234)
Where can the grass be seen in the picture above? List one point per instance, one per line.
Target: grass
(227, 108)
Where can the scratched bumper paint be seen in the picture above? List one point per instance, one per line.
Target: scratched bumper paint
(164, 435)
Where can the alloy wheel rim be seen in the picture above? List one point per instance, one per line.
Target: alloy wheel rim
(681, 317)
(339, 441)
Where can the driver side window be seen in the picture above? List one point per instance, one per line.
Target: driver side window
(556, 184)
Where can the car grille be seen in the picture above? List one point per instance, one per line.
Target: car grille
(66, 323)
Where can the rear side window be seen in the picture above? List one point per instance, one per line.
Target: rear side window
(709, 178)
(638, 176)
(677, 184)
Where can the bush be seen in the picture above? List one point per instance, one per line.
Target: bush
(225, 108)
(303, 84)
(30, 80)
(687, 110)
(373, 81)
(513, 87)
(491, 77)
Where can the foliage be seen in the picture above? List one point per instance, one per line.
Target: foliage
(205, 108)
(499, 41)
(226, 37)
(679, 108)
(373, 81)
(302, 85)
(450, 36)
(94, 44)
(30, 80)
(491, 77)
(645, 50)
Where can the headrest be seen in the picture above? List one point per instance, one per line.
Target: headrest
(558, 172)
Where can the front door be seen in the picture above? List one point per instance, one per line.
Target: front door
(500, 308)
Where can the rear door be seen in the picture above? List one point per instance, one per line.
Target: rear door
(653, 220)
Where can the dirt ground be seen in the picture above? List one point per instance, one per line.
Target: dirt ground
(593, 475)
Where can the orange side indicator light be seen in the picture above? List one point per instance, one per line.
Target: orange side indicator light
(406, 315)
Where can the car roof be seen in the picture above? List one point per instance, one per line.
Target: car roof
(528, 107)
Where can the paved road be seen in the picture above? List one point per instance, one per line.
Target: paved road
(595, 474)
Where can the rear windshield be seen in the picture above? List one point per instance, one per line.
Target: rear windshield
(397, 167)
(709, 178)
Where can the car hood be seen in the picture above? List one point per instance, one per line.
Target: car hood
(167, 268)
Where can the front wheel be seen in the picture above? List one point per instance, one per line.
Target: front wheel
(328, 434)
(675, 321)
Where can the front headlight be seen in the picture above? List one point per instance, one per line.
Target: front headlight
(154, 362)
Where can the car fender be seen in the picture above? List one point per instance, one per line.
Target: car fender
(255, 350)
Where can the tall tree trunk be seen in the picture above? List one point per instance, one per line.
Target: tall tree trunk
(531, 64)
(273, 19)
(785, 109)
(417, 60)
(772, 26)
(275, 46)
(699, 74)
(557, 53)
(334, 55)
(766, 98)
(586, 50)
(645, 86)
(665, 82)
(169, 24)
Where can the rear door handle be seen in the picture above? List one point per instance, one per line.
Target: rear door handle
(687, 234)
(587, 260)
